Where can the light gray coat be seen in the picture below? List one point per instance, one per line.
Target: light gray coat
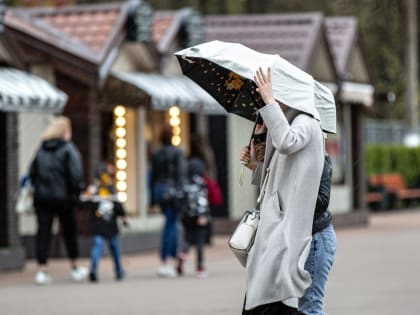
(275, 265)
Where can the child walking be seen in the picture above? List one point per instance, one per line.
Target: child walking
(104, 216)
(195, 217)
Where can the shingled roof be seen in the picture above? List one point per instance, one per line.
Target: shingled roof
(171, 25)
(85, 31)
(162, 21)
(81, 40)
(356, 84)
(299, 38)
(342, 34)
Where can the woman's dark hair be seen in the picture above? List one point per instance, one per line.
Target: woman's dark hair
(197, 146)
(289, 112)
(166, 135)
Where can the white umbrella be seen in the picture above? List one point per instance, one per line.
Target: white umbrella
(325, 104)
(291, 85)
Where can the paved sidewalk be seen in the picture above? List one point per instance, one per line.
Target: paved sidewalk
(376, 272)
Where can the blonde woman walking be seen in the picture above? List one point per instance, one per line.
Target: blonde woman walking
(56, 173)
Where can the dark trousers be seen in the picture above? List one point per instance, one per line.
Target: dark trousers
(275, 308)
(45, 213)
(196, 236)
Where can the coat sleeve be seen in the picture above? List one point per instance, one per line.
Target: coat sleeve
(323, 198)
(75, 169)
(287, 139)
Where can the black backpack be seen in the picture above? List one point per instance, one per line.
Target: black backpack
(195, 201)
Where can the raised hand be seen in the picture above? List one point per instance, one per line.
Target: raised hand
(264, 86)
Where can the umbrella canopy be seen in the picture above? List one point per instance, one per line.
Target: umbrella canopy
(325, 105)
(226, 71)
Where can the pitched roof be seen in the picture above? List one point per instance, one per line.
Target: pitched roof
(81, 41)
(291, 36)
(341, 32)
(343, 38)
(169, 25)
(85, 31)
(162, 21)
(299, 38)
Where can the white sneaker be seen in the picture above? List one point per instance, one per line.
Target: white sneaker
(166, 271)
(79, 274)
(43, 278)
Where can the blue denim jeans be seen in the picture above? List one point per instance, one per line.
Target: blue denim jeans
(96, 252)
(169, 244)
(320, 260)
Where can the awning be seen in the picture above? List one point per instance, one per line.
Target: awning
(24, 92)
(361, 93)
(166, 91)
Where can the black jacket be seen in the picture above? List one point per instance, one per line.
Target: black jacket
(56, 172)
(168, 166)
(322, 216)
(104, 216)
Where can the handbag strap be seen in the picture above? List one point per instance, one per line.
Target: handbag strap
(262, 191)
(263, 187)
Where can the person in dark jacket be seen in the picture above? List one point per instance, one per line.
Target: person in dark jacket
(56, 174)
(323, 247)
(168, 177)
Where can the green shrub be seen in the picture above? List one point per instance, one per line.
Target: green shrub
(394, 159)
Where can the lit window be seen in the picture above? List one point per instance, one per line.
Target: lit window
(175, 123)
(121, 143)
(121, 164)
(121, 175)
(121, 153)
(119, 111)
(176, 130)
(122, 196)
(176, 140)
(121, 186)
(120, 122)
(120, 132)
(174, 111)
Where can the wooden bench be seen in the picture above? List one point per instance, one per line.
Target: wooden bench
(374, 196)
(393, 183)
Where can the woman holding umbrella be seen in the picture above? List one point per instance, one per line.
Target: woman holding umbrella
(289, 175)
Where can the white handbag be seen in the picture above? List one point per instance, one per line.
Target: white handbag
(25, 201)
(243, 237)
